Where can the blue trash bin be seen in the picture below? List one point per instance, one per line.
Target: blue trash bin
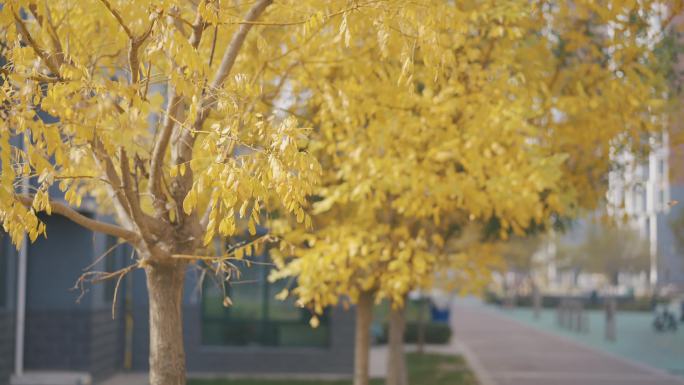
(439, 315)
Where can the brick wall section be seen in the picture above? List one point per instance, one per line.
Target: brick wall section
(6, 345)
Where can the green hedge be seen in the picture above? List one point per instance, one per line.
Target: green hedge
(435, 333)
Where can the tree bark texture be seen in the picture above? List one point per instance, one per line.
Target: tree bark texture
(167, 355)
(396, 358)
(364, 317)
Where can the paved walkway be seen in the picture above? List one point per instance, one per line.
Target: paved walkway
(503, 351)
(636, 338)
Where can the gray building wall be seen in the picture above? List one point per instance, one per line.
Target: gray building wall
(57, 340)
(63, 332)
(106, 343)
(7, 313)
(6, 345)
(57, 326)
(75, 340)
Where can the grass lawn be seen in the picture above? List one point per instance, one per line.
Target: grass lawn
(426, 369)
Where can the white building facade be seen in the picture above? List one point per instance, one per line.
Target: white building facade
(639, 192)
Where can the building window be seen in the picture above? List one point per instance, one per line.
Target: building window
(256, 317)
(635, 201)
(661, 168)
(644, 201)
(645, 172)
(661, 198)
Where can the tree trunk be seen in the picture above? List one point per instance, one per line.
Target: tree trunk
(536, 301)
(167, 355)
(396, 359)
(610, 306)
(364, 316)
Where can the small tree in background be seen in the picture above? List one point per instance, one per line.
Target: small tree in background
(608, 249)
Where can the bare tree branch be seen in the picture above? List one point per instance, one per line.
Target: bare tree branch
(102, 256)
(52, 31)
(94, 277)
(230, 254)
(88, 223)
(233, 49)
(133, 53)
(132, 198)
(197, 29)
(118, 18)
(134, 42)
(160, 146)
(40, 51)
(105, 162)
(37, 77)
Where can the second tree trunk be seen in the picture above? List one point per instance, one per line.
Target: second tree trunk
(396, 357)
(364, 317)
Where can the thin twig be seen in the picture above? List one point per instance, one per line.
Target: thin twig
(228, 255)
(42, 53)
(101, 257)
(116, 292)
(118, 18)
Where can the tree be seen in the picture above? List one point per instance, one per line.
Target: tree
(515, 129)
(173, 176)
(608, 249)
(677, 227)
(83, 108)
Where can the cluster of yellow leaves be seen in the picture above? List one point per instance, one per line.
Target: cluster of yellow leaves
(347, 257)
(480, 110)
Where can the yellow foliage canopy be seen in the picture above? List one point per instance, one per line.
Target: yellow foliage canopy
(170, 114)
(501, 111)
(181, 118)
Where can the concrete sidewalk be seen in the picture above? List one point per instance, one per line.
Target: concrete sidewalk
(503, 351)
(378, 367)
